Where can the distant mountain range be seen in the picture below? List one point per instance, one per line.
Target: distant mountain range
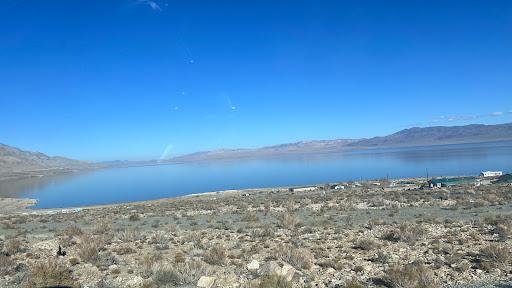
(439, 135)
(405, 138)
(303, 147)
(16, 160)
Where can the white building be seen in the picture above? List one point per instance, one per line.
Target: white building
(491, 173)
(303, 189)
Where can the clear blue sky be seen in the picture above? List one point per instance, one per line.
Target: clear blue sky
(128, 79)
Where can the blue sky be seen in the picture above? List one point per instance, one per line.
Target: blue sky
(128, 79)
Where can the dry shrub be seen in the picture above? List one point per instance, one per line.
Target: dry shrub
(49, 273)
(382, 257)
(129, 235)
(499, 219)
(274, 281)
(177, 274)
(411, 275)
(148, 262)
(134, 217)
(159, 238)
(13, 246)
(89, 248)
(74, 261)
(392, 235)
(71, 230)
(104, 283)
(265, 232)
(288, 221)
(103, 228)
(179, 257)
(411, 234)
(6, 265)
(494, 256)
(354, 283)
(366, 244)
(503, 232)
(297, 257)
(406, 233)
(250, 217)
(290, 206)
(124, 250)
(216, 255)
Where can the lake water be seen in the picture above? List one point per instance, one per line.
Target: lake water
(153, 182)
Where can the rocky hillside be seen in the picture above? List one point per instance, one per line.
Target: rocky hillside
(15, 160)
(440, 135)
(408, 137)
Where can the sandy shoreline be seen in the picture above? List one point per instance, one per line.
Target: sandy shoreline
(12, 205)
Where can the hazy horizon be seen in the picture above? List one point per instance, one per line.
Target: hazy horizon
(128, 79)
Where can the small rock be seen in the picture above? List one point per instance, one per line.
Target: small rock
(206, 282)
(136, 281)
(270, 268)
(287, 271)
(281, 268)
(253, 266)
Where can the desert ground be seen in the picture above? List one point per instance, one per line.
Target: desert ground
(368, 234)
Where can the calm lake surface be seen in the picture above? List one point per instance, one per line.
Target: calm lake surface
(153, 182)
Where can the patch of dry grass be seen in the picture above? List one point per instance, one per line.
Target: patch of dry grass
(89, 248)
(49, 273)
(410, 275)
(274, 281)
(299, 258)
(13, 246)
(216, 255)
(177, 274)
(6, 265)
(366, 244)
(494, 256)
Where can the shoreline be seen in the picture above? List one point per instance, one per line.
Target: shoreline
(319, 235)
(22, 205)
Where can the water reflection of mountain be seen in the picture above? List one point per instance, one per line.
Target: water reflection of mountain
(417, 155)
(159, 181)
(14, 188)
(441, 152)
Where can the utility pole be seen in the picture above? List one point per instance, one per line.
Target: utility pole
(426, 170)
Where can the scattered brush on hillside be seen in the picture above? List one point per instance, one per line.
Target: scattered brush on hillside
(49, 273)
(411, 275)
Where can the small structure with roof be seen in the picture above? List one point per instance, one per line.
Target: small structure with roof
(491, 173)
